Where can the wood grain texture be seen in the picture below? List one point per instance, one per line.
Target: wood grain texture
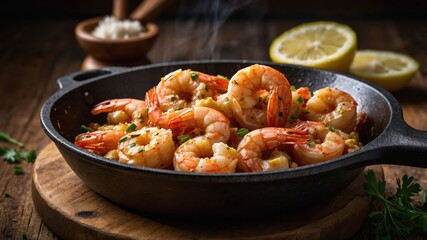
(74, 211)
(35, 52)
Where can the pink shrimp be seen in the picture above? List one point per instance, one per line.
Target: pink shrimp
(182, 88)
(256, 142)
(101, 141)
(259, 96)
(206, 152)
(134, 111)
(333, 107)
(325, 143)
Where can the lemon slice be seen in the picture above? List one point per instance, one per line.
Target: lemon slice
(390, 70)
(325, 45)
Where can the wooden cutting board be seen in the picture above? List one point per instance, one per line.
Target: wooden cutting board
(73, 211)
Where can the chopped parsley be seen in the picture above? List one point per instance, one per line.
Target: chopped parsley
(300, 100)
(194, 76)
(85, 128)
(183, 138)
(242, 132)
(131, 127)
(14, 156)
(17, 170)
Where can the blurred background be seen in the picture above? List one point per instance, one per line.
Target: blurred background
(413, 9)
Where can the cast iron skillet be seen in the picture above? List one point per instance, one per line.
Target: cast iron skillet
(387, 137)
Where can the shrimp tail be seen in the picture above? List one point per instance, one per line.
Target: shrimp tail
(99, 141)
(279, 106)
(214, 82)
(251, 165)
(183, 120)
(153, 106)
(110, 105)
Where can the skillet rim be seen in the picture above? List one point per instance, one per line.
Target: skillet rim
(301, 171)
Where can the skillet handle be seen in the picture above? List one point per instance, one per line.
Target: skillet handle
(402, 145)
(75, 78)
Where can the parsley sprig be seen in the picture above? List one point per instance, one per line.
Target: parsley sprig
(13, 155)
(395, 217)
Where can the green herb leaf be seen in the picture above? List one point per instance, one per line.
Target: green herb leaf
(394, 217)
(18, 170)
(183, 138)
(85, 128)
(23, 234)
(11, 155)
(242, 132)
(300, 100)
(29, 156)
(194, 75)
(131, 127)
(332, 129)
(6, 138)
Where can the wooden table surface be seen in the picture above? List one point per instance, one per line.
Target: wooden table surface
(35, 52)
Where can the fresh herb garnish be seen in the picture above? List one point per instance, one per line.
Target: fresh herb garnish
(18, 170)
(6, 138)
(14, 156)
(300, 100)
(242, 132)
(332, 129)
(194, 75)
(183, 138)
(395, 217)
(85, 128)
(131, 127)
(23, 234)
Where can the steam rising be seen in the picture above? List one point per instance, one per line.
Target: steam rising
(197, 29)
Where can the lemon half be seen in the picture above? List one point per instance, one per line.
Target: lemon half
(390, 70)
(325, 45)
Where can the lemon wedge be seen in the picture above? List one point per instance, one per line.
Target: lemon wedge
(325, 45)
(390, 70)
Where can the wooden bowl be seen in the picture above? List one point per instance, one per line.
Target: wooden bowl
(128, 49)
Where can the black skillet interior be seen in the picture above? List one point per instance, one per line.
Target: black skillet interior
(69, 108)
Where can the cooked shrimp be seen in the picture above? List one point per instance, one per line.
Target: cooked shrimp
(333, 107)
(148, 146)
(101, 141)
(256, 142)
(156, 116)
(299, 100)
(211, 123)
(324, 144)
(181, 88)
(123, 110)
(203, 153)
(259, 96)
(200, 155)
